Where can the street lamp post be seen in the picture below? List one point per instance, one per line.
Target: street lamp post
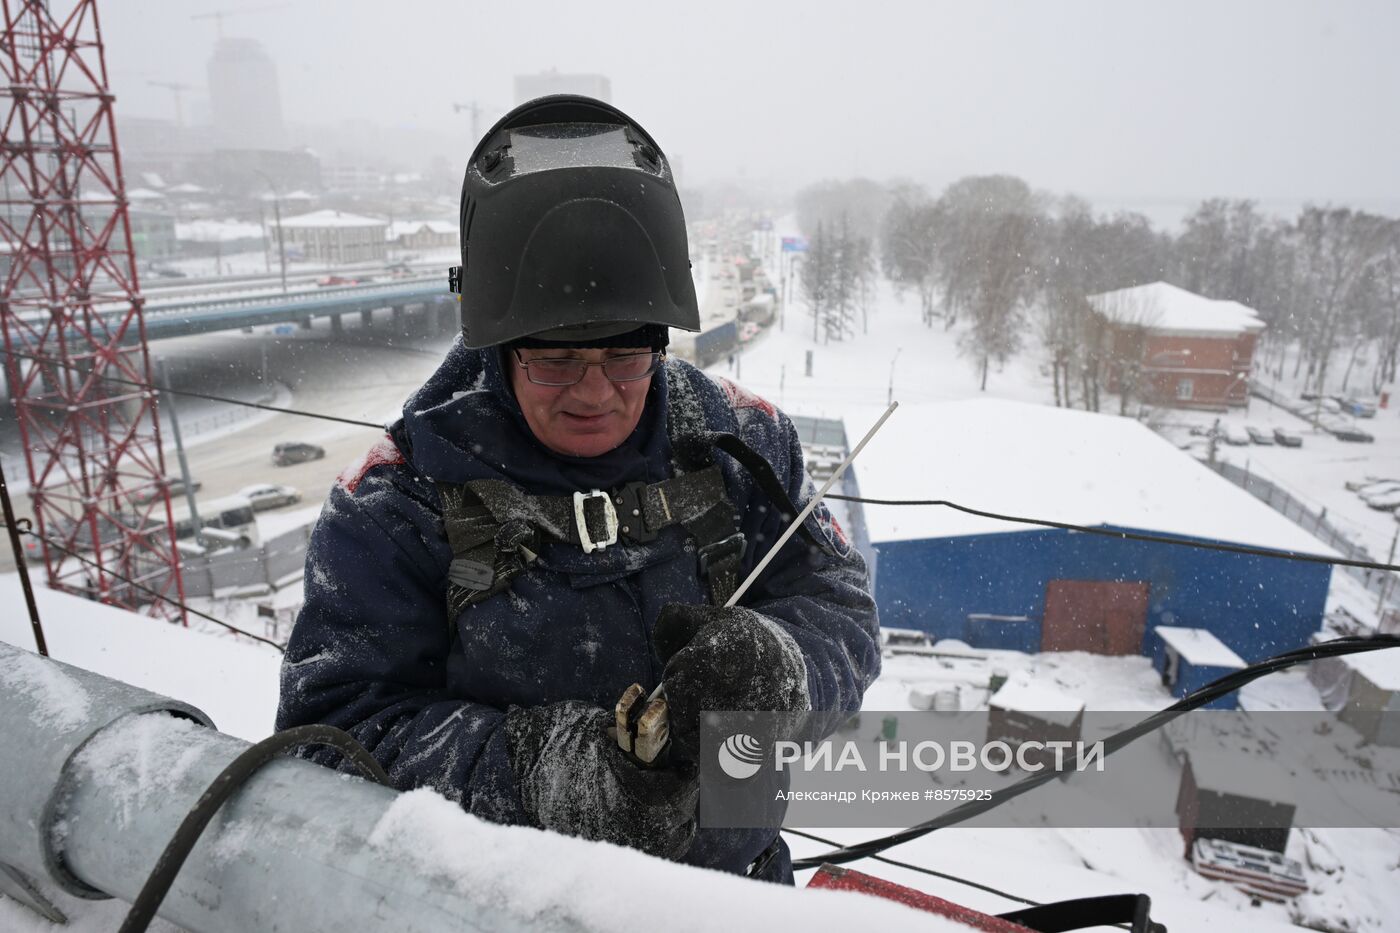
(277, 219)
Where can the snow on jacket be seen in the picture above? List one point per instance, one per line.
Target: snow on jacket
(373, 652)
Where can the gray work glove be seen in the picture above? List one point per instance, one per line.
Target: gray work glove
(573, 779)
(721, 658)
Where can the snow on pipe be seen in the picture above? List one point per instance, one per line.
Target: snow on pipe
(99, 775)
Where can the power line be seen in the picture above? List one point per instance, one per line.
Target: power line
(146, 589)
(1131, 535)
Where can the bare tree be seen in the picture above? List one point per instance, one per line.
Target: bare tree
(999, 286)
(1336, 248)
(1387, 281)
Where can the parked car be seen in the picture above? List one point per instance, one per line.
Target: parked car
(1357, 485)
(1359, 408)
(296, 452)
(1354, 435)
(266, 496)
(1233, 434)
(1259, 437)
(327, 281)
(176, 486)
(1330, 405)
(1384, 501)
(1287, 438)
(1378, 488)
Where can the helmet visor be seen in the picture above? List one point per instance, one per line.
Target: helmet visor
(569, 145)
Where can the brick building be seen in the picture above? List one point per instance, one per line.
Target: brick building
(1172, 347)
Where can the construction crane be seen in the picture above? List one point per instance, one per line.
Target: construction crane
(218, 15)
(475, 108)
(176, 90)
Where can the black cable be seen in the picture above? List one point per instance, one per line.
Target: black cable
(146, 589)
(1197, 698)
(144, 907)
(1130, 535)
(207, 397)
(919, 868)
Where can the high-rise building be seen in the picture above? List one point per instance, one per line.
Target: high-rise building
(528, 87)
(243, 96)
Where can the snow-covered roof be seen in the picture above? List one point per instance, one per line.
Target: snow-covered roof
(1199, 647)
(1381, 668)
(1046, 702)
(1164, 308)
(1052, 463)
(1235, 772)
(409, 227)
(143, 194)
(217, 231)
(188, 187)
(297, 195)
(331, 218)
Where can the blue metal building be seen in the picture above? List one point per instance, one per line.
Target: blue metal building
(1042, 589)
(1256, 605)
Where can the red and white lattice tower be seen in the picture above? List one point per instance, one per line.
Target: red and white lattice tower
(72, 321)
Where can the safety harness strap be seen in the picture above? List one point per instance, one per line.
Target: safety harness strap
(496, 529)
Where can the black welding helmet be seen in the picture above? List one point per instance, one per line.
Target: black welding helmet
(571, 228)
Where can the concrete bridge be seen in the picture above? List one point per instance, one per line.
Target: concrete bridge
(191, 315)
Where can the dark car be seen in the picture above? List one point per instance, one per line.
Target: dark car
(296, 452)
(1287, 438)
(1259, 437)
(1355, 435)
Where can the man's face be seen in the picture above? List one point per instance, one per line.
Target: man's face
(585, 419)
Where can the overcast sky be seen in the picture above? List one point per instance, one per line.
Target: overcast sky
(1163, 99)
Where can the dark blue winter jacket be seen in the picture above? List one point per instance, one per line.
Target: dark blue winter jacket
(374, 653)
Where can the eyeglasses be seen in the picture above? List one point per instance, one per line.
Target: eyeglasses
(566, 371)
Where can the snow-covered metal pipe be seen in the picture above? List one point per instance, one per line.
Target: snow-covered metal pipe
(48, 712)
(100, 774)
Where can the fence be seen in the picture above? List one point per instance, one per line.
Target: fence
(1315, 523)
(232, 415)
(277, 561)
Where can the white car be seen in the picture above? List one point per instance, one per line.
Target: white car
(1378, 488)
(1235, 435)
(266, 496)
(1357, 485)
(1384, 501)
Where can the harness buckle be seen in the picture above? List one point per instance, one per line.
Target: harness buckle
(585, 540)
(631, 501)
(723, 555)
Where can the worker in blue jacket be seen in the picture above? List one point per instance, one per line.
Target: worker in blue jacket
(562, 511)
